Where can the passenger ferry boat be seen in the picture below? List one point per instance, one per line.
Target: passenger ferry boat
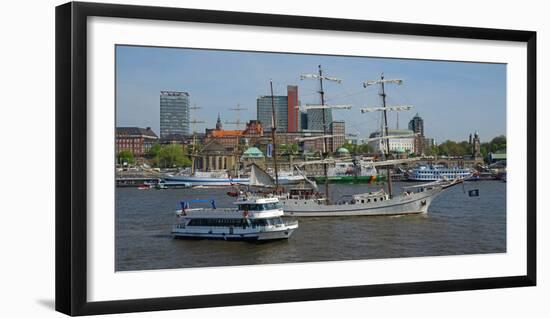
(438, 172)
(253, 218)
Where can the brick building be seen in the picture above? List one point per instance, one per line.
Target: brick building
(134, 139)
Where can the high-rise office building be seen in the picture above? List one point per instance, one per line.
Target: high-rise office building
(293, 112)
(174, 113)
(315, 119)
(416, 124)
(264, 112)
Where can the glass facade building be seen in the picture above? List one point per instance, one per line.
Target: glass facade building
(263, 112)
(174, 113)
(315, 119)
(416, 124)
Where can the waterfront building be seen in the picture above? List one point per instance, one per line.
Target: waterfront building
(216, 156)
(337, 129)
(174, 113)
(400, 141)
(134, 139)
(253, 155)
(497, 157)
(428, 144)
(264, 112)
(315, 119)
(250, 134)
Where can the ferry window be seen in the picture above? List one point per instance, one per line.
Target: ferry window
(374, 199)
(362, 201)
(368, 200)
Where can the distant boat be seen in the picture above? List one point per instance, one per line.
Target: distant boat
(351, 172)
(438, 172)
(214, 178)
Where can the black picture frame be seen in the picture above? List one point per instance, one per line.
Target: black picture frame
(71, 157)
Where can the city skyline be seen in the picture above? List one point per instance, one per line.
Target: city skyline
(453, 98)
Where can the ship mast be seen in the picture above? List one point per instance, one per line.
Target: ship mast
(325, 140)
(273, 141)
(384, 132)
(194, 122)
(388, 169)
(324, 108)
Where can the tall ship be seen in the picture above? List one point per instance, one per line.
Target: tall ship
(252, 218)
(438, 172)
(308, 202)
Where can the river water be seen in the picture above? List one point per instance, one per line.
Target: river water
(456, 224)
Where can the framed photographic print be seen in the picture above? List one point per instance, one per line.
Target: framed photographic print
(211, 158)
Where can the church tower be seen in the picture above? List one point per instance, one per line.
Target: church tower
(219, 123)
(476, 146)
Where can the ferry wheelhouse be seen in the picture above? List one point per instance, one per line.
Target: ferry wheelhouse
(438, 172)
(252, 218)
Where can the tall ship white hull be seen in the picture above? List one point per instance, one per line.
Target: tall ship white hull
(410, 202)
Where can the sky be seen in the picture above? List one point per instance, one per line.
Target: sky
(454, 98)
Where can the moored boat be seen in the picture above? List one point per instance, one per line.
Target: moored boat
(438, 172)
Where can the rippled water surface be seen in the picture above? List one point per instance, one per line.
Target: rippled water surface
(456, 224)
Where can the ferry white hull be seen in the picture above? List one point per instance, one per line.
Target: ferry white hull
(412, 204)
(235, 234)
(255, 218)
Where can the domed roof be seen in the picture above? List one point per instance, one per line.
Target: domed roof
(342, 150)
(253, 152)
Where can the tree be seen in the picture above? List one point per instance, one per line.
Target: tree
(498, 144)
(288, 149)
(154, 151)
(352, 148)
(365, 149)
(125, 156)
(173, 156)
(361, 149)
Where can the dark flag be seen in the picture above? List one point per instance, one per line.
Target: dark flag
(473, 193)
